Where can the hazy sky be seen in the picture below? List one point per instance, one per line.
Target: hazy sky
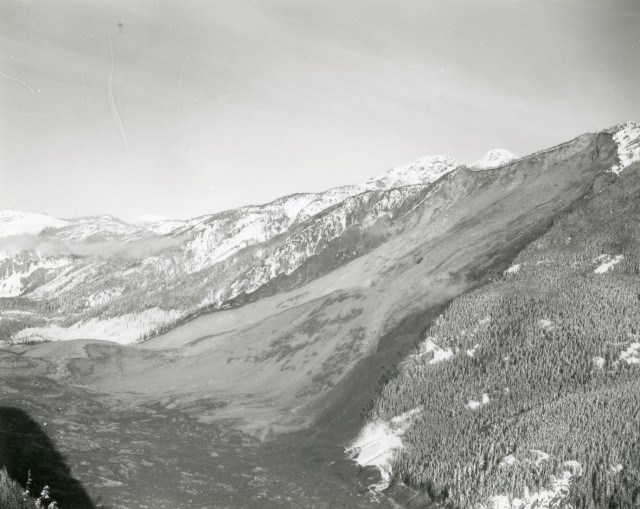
(224, 103)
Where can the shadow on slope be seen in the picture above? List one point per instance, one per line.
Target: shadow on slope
(25, 446)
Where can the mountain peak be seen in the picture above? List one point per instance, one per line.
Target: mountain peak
(493, 159)
(422, 171)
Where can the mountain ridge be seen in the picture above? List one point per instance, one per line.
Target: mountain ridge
(629, 132)
(277, 349)
(101, 263)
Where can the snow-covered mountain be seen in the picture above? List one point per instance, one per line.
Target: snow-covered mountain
(423, 171)
(287, 316)
(94, 269)
(493, 159)
(104, 278)
(14, 222)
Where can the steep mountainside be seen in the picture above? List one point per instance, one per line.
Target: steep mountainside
(124, 282)
(524, 393)
(299, 308)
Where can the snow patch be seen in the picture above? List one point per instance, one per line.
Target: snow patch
(616, 468)
(632, 354)
(377, 444)
(11, 285)
(100, 298)
(508, 461)
(438, 354)
(545, 324)
(553, 497)
(514, 269)
(540, 456)
(473, 405)
(573, 466)
(628, 139)
(124, 329)
(607, 263)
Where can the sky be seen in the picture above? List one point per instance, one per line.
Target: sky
(183, 108)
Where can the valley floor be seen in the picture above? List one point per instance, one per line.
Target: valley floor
(149, 455)
(159, 454)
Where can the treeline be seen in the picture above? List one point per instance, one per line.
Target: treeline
(544, 344)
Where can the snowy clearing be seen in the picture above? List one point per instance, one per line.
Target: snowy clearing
(377, 443)
(514, 269)
(607, 263)
(632, 354)
(540, 456)
(544, 499)
(11, 285)
(430, 347)
(545, 324)
(617, 467)
(125, 329)
(508, 460)
(472, 352)
(473, 405)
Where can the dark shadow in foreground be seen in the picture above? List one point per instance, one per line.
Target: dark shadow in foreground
(25, 446)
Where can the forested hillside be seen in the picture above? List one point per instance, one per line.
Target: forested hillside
(526, 392)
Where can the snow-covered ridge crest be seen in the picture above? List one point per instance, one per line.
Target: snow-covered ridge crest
(14, 222)
(627, 136)
(425, 170)
(493, 159)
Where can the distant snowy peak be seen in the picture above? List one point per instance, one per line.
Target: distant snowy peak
(423, 171)
(627, 136)
(148, 219)
(493, 159)
(27, 223)
(158, 225)
(94, 228)
(283, 211)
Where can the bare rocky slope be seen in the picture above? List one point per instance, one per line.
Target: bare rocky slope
(274, 322)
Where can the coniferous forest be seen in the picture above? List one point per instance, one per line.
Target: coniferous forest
(540, 374)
